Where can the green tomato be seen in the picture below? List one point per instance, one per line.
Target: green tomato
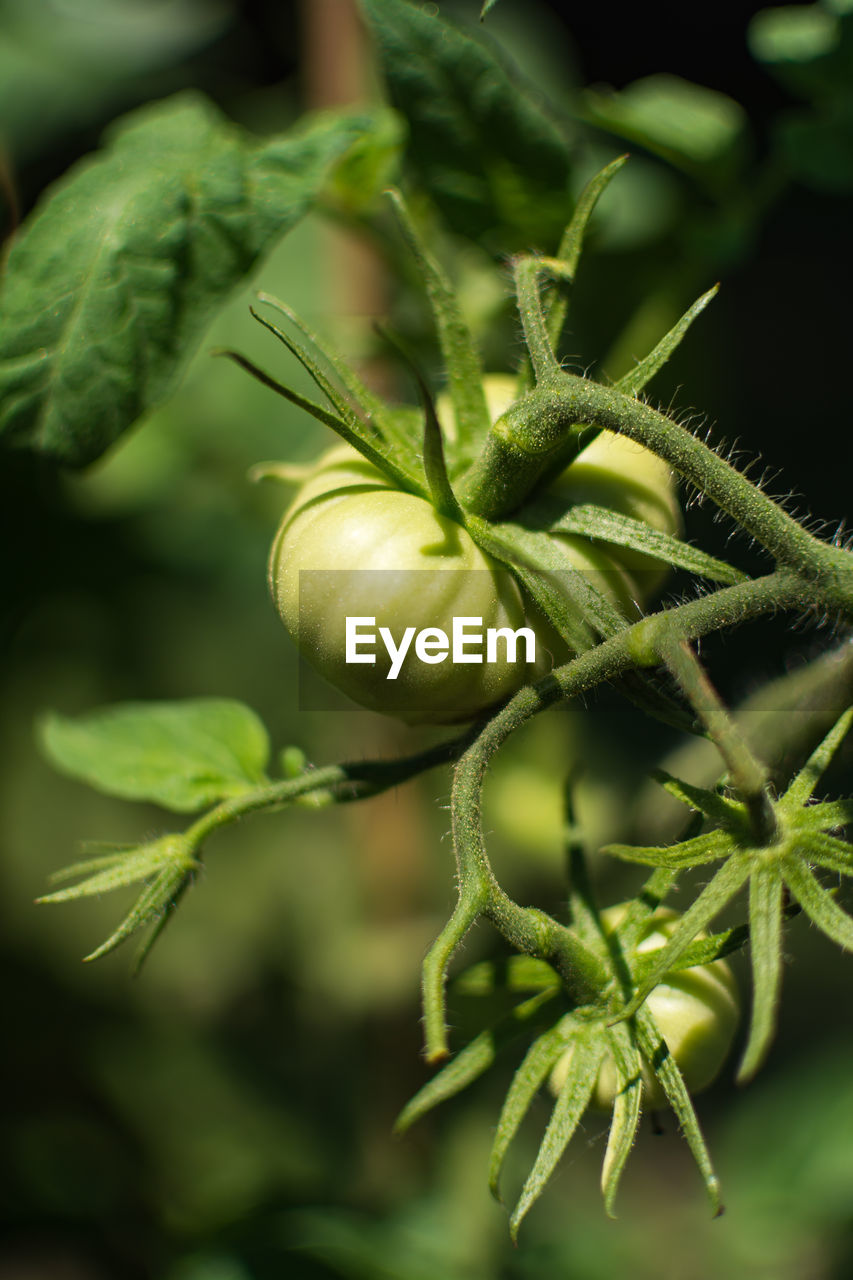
(375, 552)
(617, 473)
(696, 1010)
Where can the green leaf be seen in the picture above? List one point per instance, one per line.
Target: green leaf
(583, 908)
(526, 1082)
(369, 405)
(495, 163)
(513, 973)
(166, 865)
(829, 852)
(571, 245)
(472, 1061)
(111, 282)
(359, 431)
(292, 474)
(461, 361)
(435, 464)
(626, 1112)
(688, 853)
(663, 1064)
(361, 177)
(182, 755)
(716, 894)
(765, 936)
(805, 47)
(116, 871)
(701, 952)
(644, 370)
(694, 128)
(818, 903)
(588, 1049)
(154, 905)
(653, 893)
(825, 816)
(605, 525)
(701, 799)
(801, 789)
(583, 604)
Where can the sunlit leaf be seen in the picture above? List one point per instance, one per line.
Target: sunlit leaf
(689, 853)
(644, 370)
(721, 889)
(183, 755)
(829, 852)
(701, 799)
(461, 361)
(101, 875)
(154, 903)
(694, 127)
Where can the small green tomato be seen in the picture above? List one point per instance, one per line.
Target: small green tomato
(372, 551)
(696, 1010)
(617, 473)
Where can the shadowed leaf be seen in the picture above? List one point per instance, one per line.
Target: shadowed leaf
(818, 903)
(588, 1049)
(626, 1112)
(111, 282)
(765, 930)
(472, 1061)
(527, 1081)
(664, 1066)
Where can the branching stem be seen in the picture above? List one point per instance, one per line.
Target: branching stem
(746, 773)
(533, 931)
(339, 782)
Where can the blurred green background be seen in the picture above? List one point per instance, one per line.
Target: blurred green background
(228, 1115)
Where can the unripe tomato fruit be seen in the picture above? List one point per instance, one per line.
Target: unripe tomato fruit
(374, 551)
(696, 1011)
(617, 473)
(377, 552)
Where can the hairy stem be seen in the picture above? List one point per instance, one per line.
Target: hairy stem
(573, 400)
(533, 931)
(527, 271)
(340, 782)
(746, 774)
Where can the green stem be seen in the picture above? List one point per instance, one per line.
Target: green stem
(492, 491)
(341, 782)
(532, 931)
(746, 773)
(527, 271)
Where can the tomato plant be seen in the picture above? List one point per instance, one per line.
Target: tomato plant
(555, 502)
(353, 545)
(697, 1011)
